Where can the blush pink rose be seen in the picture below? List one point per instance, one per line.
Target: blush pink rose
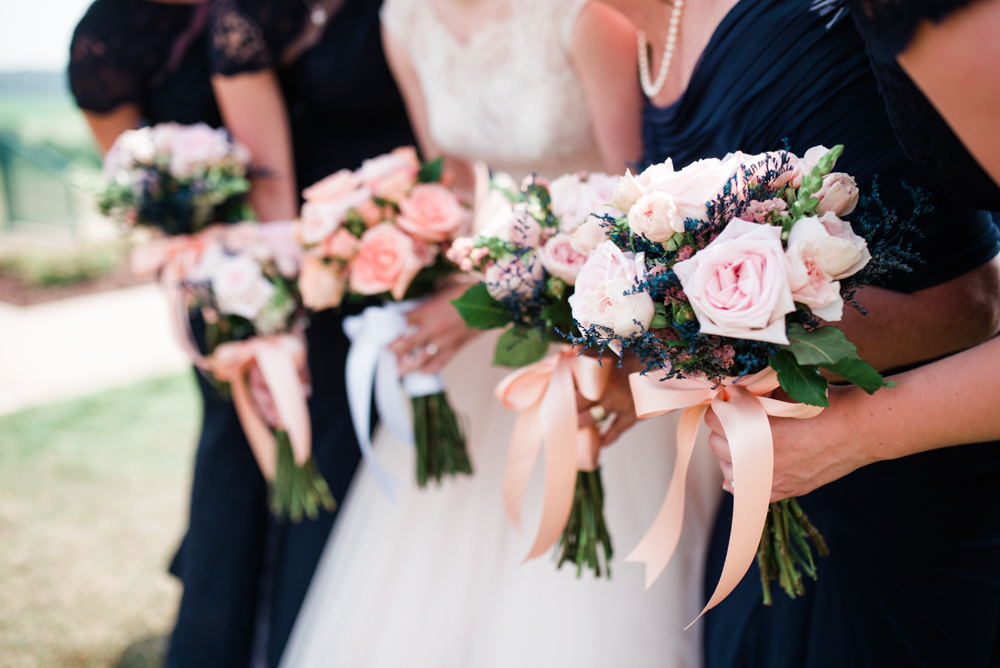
(560, 259)
(811, 285)
(695, 185)
(322, 284)
(395, 187)
(371, 213)
(431, 213)
(837, 249)
(458, 254)
(391, 175)
(626, 193)
(738, 284)
(195, 147)
(333, 187)
(602, 294)
(656, 217)
(278, 237)
(514, 276)
(320, 219)
(589, 236)
(799, 167)
(341, 245)
(386, 262)
(839, 194)
(514, 224)
(239, 286)
(575, 198)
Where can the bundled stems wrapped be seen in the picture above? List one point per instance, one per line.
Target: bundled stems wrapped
(784, 549)
(298, 490)
(440, 443)
(586, 534)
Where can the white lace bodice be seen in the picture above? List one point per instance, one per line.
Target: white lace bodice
(508, 96)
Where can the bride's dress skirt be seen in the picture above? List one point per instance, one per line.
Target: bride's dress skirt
(436, 580)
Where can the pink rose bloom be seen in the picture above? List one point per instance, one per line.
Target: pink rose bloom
(839, 194)
(811, 285)
(626, 193)
(278, 236)
(514, 224)
(195, 147)
(386, 262)
(837, 249)
(332, 187)
(162, 136)
(320, 219)
(431, 213)
(403, 159)
(479, 255)
(239, 286)
(695, 185)
(341, 245)
(322, 285)
(394, 187)
(759, 211)
(138, 146)
(370, 212)
(560, 259)
(514, 276)
(802, 166)
(589, 236)
(458, 253)
(656, 217)
(575, 198)
(738, 284)
(602, 292)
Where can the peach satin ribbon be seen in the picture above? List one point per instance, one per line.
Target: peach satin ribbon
(544, 394)
(743, 411)
(279, 358)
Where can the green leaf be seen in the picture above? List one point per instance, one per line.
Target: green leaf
(431, 171)
(802, 383)
(558, 316)
(860, 373)
(826, 345)
(520, 347)
(660, 318)
(479, 310)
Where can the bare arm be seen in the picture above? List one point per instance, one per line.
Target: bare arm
(253, 109)
(107, 127)
(603, 52)
(957, 66)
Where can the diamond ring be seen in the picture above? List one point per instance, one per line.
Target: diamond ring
(432, 349)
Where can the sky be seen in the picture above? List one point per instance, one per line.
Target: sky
(35, 34)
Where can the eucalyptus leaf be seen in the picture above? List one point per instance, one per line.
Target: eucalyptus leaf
(519, 347)
(860, 373)
(480, 310)
(802, 382)
(826, 345)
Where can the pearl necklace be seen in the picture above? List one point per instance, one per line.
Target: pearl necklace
(652, 89)
(317, 14)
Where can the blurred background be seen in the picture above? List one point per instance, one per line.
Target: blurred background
(98, 414)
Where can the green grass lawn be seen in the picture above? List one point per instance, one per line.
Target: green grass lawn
(53, 120)
(93, 502)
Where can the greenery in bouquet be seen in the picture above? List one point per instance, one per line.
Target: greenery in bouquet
(728, 267)
(178, 178)
(244, 285)
(533, 243)
(382, 232)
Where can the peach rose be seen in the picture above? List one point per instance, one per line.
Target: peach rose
(431, 212)
(560, 259)
(341, 245)
(655, 216)
(332, 187)
(322, 285)
(738, 284)
(394, 187)
(839, 194)
(391, 175)
(458, 254)
(386, 262)
(320, 219)
(603, 292)
(837, 249)
(371, 213)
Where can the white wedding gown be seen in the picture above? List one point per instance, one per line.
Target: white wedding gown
(435, 580)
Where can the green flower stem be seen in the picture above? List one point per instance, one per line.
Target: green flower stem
(783, 549)
(440, 443)
(298, 491)
(586, 533)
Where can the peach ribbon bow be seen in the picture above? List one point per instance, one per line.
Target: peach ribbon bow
(743, 411)
(544, 394)
(280, 358)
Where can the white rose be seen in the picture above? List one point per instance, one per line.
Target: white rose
(589, 236)
(626, 194)
(602, 292)
(656, 217)
(240, 287)
(697, 184)
(576, 199)
(139, 145)
(655, 172)
(812, 286)
(837, 249)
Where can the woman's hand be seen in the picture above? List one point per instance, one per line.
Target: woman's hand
(439, 332)
(616, 401)
(807, 453)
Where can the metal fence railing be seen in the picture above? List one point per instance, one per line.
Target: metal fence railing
(36, 185)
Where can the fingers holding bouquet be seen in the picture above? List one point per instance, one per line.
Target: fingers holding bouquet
(435, 333)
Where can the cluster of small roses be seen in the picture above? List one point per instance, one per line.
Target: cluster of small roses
(784, 253)
(179, 178)
(374, 230)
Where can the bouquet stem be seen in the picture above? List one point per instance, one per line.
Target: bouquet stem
(586, 530)
(784, 550)
(440, 443)
(298, 490)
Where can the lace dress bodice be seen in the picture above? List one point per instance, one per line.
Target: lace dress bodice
(509, 95)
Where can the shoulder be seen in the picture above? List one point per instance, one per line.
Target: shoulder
(248, 35)
(595, 21)
(398, 16)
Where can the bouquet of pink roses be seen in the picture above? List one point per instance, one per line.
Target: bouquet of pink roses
(382, 231)
(242, 279)
(718, 276)
(534, 241)
(178, 178)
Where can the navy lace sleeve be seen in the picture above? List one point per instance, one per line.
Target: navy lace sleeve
(250, 35)
(118, 47)
(888, 25)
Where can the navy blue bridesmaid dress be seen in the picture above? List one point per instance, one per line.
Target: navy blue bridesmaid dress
(914, 573)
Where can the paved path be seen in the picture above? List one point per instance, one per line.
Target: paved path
(81, 345)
